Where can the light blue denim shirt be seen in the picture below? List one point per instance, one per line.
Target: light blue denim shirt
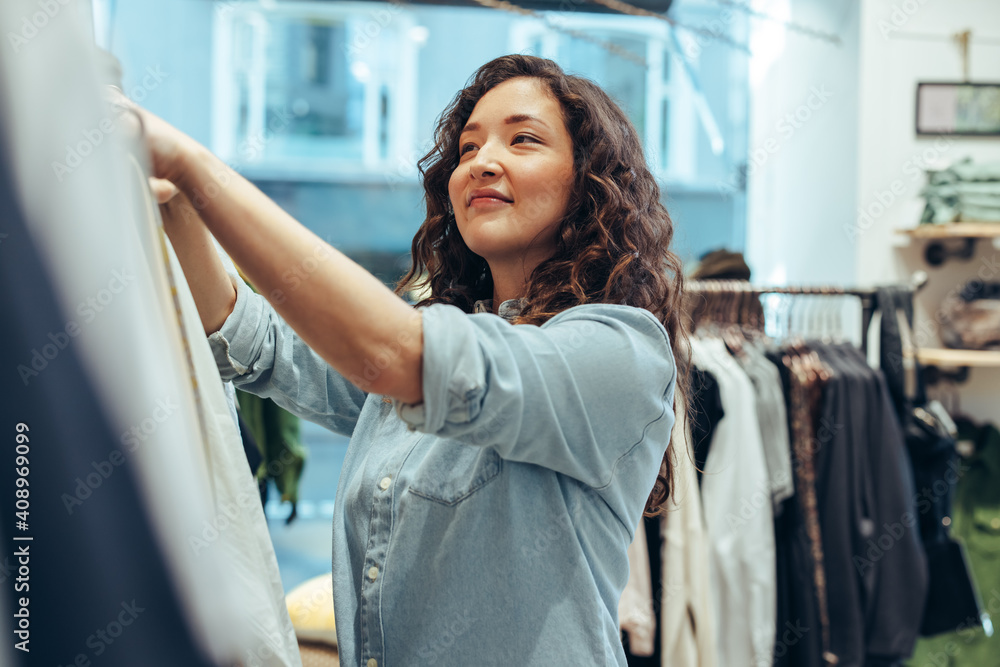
(489, 524)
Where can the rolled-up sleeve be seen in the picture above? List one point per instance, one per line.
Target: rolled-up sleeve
(260, 353)
(575, 395)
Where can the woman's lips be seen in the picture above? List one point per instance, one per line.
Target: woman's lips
(487, 202)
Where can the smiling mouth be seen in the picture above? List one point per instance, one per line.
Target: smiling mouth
(488, 197)
(487, 200)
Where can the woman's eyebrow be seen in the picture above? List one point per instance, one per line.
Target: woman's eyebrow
(524, 118)
(510, 120)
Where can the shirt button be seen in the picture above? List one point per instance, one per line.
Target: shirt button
(995, 523)
(372, 662)
(946, 521)
(384, 484)
(373, 573)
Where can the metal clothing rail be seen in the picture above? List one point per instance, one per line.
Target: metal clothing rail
(865, 294)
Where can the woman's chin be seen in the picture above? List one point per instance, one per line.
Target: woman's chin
(488, 246)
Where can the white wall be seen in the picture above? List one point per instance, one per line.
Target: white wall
(890, 154)
(803, 152)
(891, 157)
(826, 197)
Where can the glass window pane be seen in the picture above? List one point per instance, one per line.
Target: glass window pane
(623, 79)
(314, 101)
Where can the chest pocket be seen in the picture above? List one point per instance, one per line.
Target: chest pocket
(449, 472)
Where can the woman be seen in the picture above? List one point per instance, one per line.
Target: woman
(507, 433)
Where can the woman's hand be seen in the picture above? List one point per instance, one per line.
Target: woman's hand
(163, 190)
(315, 288)
(168, 146)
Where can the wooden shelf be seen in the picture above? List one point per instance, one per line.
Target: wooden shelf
(955, 358)
(954, 230)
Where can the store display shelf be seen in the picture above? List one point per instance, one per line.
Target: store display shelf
(956, 358)
(955, 230)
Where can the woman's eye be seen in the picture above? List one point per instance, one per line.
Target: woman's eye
(466, 148)
(523, 138)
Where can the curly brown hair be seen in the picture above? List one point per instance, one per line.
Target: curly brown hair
(612, 243)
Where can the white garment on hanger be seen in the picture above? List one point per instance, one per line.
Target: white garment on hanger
(739, 517)
(772, 418)
(687, 617)
(635, 609)
(875, 340)
(243, 538)
(107, 265)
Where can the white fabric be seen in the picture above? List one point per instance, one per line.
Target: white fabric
(635, 609)
(772, 417)
(687, 617)
(875, 341)
(239, 520)
(107, 265)
(739, 517)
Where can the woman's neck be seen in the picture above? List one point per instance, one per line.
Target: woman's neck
(510, 277)
(505, 290)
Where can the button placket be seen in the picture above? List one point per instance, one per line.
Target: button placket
(380, 532)
(379, 536)
(379, 527)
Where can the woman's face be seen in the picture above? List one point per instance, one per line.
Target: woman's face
(514, 176)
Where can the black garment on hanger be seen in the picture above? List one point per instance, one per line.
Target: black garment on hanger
(951, 599)
(886, 554)
(93, 566)
(846, 506)
(889, 301)
(704, 414)
(798, 642)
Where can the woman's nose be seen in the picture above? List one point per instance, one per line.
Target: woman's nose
(485, 163)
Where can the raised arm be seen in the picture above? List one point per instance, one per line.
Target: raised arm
(213, 291)
(363, 330)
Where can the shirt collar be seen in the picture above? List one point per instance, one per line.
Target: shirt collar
(509, 309)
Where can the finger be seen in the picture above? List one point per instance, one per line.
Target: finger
(163, 190)
(126, 112)
(116, 96)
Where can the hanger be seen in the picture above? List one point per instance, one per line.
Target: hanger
(838, 321)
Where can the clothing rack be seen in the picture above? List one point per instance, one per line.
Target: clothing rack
(865, 294)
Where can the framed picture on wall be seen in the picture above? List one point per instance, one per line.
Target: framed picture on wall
(959, 109)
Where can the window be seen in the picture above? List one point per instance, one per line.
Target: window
(631, 59)
(328, 91)
(307, 90)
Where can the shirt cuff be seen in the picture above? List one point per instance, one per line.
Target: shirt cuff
(237, 344)
(454, 371)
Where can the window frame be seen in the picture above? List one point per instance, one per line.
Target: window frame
(679, 165)
(375, 25)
